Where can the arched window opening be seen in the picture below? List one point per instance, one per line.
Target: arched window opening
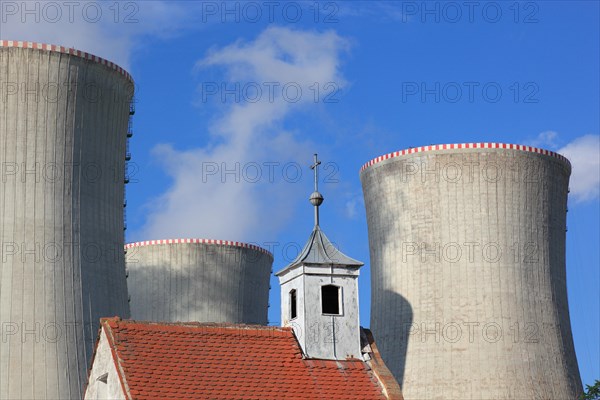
(293, 308)
(330, 299)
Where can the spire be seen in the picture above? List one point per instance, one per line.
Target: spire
(316, 198)
(319, 250)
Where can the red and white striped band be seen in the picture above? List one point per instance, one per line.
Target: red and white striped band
(199, 241)
(65, 50)
(456, 146)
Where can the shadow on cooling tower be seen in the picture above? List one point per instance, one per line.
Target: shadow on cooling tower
(392, 331)
(171, 294)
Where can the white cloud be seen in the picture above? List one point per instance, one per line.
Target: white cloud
(545, 139)
(584, 154)
(248, 134)
(352, 205)
(351, 208)
(112, 30)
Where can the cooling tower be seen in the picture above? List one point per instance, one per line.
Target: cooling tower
(198, 280)
(63, 127)
(467, 246)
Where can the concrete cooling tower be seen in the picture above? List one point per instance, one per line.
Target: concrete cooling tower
(198, 280)
(63, 128)
(467, 246)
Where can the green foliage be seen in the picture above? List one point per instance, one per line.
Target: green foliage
(592, 392)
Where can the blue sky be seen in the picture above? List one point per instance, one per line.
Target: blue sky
(390, 75)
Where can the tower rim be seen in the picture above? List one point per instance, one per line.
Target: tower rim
(53, 48)
(230, 243)
(465, 146)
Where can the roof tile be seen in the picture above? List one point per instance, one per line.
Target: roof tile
(203, 360)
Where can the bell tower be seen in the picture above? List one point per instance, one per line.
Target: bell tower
(319, 294)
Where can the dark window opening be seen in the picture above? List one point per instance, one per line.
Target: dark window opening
(330, 299)
(293, 313)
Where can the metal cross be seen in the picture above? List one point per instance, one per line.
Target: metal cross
(315, 167)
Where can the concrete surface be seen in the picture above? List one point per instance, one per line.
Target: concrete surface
(467, 252)
(203, 282)
(63, 124)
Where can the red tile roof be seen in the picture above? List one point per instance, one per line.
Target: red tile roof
(216, 361)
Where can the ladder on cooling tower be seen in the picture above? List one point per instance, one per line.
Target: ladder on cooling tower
(127, 159)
